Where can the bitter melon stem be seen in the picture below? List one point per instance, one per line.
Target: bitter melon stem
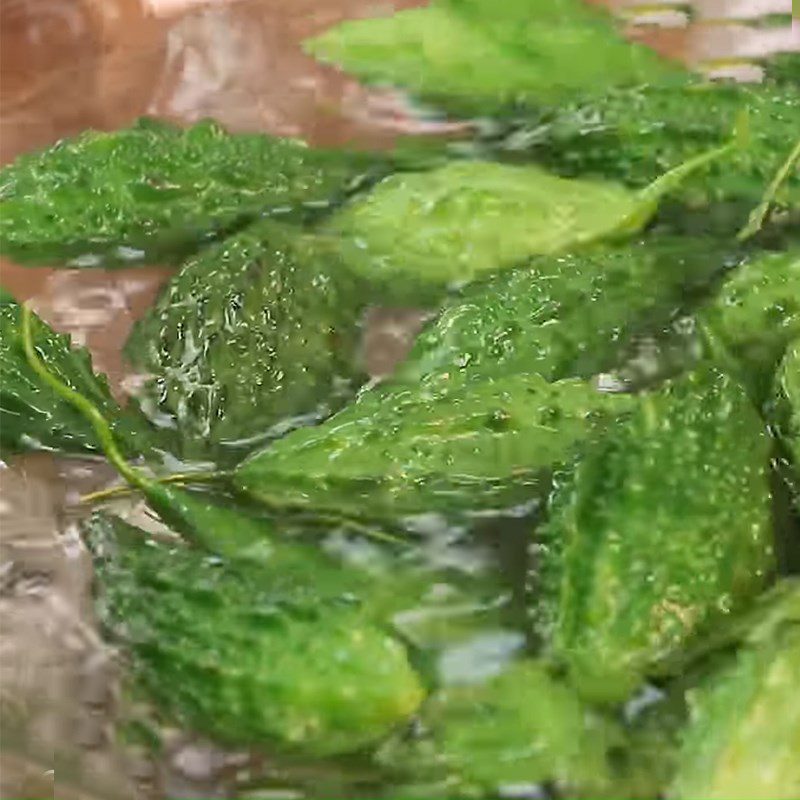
(137, 479)
(650, 196)
(176, 477)
(81, 403)
(758, 214)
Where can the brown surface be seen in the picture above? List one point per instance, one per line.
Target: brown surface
(68, 65)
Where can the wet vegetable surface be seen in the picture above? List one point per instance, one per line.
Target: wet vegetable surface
(790, 387)
(451, 224)
(544, 558)
(568, 316)
(33, 418)
(241, 309)
(521, 727)
(156, 192)
(745, 728)
(464, 55)
(454, 445)
(272, 654)
(755, 316)
(662, 526)
(634, 134)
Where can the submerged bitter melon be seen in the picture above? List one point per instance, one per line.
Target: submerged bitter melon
(456, 444)
(564, 316)
(754, 317)
(789, 377)
(632, 135)
(420, 232)
(251, 335)
(520, 728)
(660, 530)
(156, 192)
(282, 653)
(475, 57)
(744, 736)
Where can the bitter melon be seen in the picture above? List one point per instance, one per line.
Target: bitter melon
(564, 316)
(521, 728)
(660, 530)
(744, 734)
(254, 333)
(790, 386)
(455, 444)
(425, 231)
(476, 58)
(281, 654)
(155, 192)
(632, 135)
(755, 315)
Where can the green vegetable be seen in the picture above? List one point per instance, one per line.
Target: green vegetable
(657, 720)
(769, 612)
(196, 518)
(759, 214)
(565, 316)
(633, 135)
(655, 748)
(454, 444)
(449, 225)
(193, 516)
(158, 192)
(33, 416)
(392, 584)
(475, 57)
(661, 529)
(254, 332)
(744, 735)
(755, 315)
(466, 605)
(273, 654)
(470, 601)
(520, 728)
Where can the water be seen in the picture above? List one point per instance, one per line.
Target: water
(70, 65)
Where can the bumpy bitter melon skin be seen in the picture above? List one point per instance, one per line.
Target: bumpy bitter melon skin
(477, 58)
(744, 736)
(658, 532)
(419, 232)
(520, 728)
(659, 728)
(453, 223)
(452, 445)
(281, 655)
(159, 193)
(633, 135)
(755, 315)
(471, 598)
(564, 316)
(33, 417)
(255, 331)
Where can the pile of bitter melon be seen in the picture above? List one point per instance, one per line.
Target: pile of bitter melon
(553, 555)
